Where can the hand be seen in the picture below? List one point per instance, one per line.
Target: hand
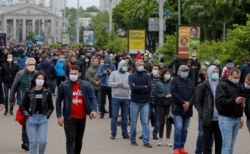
(241, 123)
(121, 84)
(133, 84)
(168, 95)
(1, 107)
(93, 114)
(97, 83)
(60, 121)
(240, 100)
(186, 106)
(145, 86)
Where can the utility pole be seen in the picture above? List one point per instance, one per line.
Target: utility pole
(64, 17)
(77, 23)
(110, 17)
(161, 22)
(179, 12)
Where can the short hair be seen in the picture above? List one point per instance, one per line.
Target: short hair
(139, 60)
(75, 67)
(29, 59)
(234, 69)
(44, 56)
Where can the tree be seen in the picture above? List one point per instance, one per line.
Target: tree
(92, 9)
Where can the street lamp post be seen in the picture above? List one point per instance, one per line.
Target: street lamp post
(77, 25)
(179, 12)
(161, 22)
(110, 16)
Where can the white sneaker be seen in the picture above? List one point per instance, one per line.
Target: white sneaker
(168, 144)
(160, 142)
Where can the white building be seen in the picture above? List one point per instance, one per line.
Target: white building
(18, 19)
(105, 4)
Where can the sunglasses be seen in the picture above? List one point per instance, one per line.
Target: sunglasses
(185, 70)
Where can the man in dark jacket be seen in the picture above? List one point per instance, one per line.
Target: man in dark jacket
(245, 91)
(205, 104)
(140, 85)
(49, 69)
(175, 65)
(183, 91)
(229, 103)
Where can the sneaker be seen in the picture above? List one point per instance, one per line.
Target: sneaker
(11, 113)
(148, 145)
(101, 116)
(126, 137)
(176, 151)
(112, 137)
(25, 146)
(159, 143)
(169, 144)
(183, 151)
(134, 143)
(5, 113)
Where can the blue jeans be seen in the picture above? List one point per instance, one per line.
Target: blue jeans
(229, 128)
(199, 141)
(116, 105)
(97, 95)
(37, 129)
(6, 88)
(143, 109)
(154, 119)
(181, 125)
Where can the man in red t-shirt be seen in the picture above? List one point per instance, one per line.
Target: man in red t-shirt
(78, 100)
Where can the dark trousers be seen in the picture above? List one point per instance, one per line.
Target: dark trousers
(210, 132)
(59, 79)
(105, 90)
(25, 138)
(74, 131)
(163, 111)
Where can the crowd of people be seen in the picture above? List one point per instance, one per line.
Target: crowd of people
(161, 94)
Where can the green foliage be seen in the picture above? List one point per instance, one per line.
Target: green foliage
(56, 44)
(30, 35)
(117, 44)
(92, 9)
(76, 45)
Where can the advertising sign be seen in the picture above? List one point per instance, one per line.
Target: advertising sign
(88, 38)
(137, 41)
(188, 40)
(65, 39)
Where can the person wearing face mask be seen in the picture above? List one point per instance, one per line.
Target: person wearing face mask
(226, 69)
(183, 91)
(229, 104)
(37, 106)
(20, 84)
(118, 81)
(84, 66)
(207, 111)
(75, 100)
(163, 101)
(141, 86)
(104, 73)
(9, 71)
(60, 73)
(245, 91)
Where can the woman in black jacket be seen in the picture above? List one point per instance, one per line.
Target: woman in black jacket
(163, 101)
(37, 106)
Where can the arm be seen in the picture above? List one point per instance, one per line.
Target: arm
(25, 104)
(100, 72)
(14, 87)
(174, 92)
(199, 99)
(112, 83)
(50, 105)
(223, 100)
(89, 77)
(59, 100)
(133, 85)
(158, 93)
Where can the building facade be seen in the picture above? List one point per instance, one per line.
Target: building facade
(18, 19)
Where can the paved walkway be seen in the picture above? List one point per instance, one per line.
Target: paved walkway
(97, 139)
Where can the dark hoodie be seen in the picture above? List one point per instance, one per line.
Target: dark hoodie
(48, 69)
(105, 77)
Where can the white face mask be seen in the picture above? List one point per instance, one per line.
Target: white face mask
(235, 81)
(247, 86)
(154, 72)
(31, 68)
(9, 59)
(73, 78)
(39, 82)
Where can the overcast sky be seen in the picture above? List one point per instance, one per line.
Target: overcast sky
(83, 3)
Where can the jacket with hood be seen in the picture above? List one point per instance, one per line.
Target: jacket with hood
(59, 68)
(91, 75)
(226, 93)
(105, 77)
(175, 65)
(48, 69)
(205, 99)
(116, 77)
(182, 90)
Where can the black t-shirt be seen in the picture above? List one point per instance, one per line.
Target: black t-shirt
(39, 98)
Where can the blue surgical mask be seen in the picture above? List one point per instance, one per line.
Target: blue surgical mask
(140, 69)
(184, 75)
(167, 76)
(215, 76)
(124, 68)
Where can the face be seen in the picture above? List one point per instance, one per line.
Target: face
(74, 72)
(193, 32)
(30, 63)
(95, 61)
(73, 59)
(215, 71)
(10, 56)
(247, 82)
(139, 63)
(235, 76)
(155, 68)
(184, 42)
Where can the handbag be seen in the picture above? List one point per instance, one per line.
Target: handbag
(20, 117)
